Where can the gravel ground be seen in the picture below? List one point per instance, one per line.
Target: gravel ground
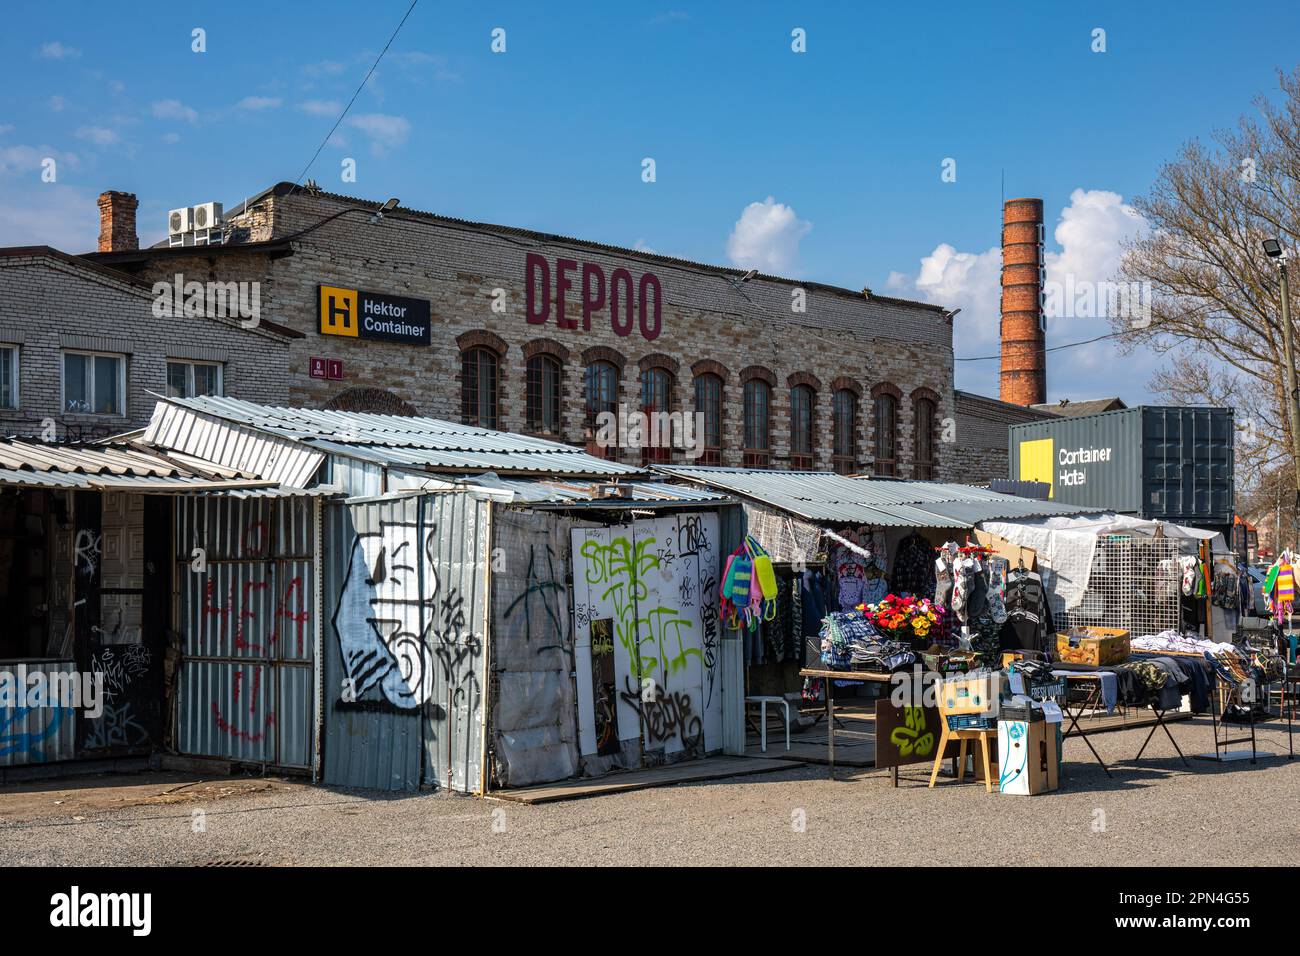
(1155, 812)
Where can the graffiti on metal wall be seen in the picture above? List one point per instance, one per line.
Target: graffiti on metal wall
(542, 587)
(85, 552)
(397, 628)
(18, 737)
(234, 724)
(654, 582)
(238, 612)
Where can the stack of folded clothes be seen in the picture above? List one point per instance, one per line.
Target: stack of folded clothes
(848, 641)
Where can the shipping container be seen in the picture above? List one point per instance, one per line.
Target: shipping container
(1153, 461)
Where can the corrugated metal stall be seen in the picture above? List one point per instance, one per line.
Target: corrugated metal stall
(248, 612)
(38, 734)
(406, 582)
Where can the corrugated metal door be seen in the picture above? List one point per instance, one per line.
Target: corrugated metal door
(405, 643)
(245, 688)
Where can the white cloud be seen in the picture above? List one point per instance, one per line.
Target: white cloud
(640, 246)
(54, 50)
(1090, 232)
(259, 103)
(766, 237)
(117, 86)
(384, 131)
(321, 107)
(52, 215)
(174, 109)
(27, 159)
(99, 135)
(56, 104)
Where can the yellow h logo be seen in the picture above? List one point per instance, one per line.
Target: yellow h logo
(338, 311)
(1037, 463)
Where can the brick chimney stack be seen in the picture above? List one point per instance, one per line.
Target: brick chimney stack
(1024, 340)
(117, 221)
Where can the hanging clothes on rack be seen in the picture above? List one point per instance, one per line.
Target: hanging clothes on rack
(1029, 616)
(914, 568)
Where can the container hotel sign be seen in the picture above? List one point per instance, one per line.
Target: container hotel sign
(1040, 460)
(373, 315)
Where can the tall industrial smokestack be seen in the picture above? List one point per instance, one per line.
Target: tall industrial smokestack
(1024, 359)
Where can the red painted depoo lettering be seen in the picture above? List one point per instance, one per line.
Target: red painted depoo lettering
(633, 303)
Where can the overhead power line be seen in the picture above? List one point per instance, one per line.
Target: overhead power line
(314, 155)
(1054, 348)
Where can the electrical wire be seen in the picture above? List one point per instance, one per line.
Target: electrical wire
(1054, 348)
(373, 66)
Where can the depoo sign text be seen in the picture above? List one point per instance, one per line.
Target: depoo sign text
(628, 302)
(373, 315)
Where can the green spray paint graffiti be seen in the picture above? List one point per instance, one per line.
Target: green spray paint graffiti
(652, 636)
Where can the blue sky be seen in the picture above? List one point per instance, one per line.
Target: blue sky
(847, 138)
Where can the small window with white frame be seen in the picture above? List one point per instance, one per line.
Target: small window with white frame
(189, 379)
(8, 376)
(94, 383)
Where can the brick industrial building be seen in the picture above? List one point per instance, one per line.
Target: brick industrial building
(537, 333)
(81, 349)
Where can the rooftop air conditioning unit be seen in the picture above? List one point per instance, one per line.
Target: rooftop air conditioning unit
(207, 216)
(207, 224)
(179, 221)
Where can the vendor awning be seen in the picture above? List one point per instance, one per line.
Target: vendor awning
(121, 466)
(883, 503)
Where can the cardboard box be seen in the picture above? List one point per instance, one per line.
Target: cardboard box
(972, 694)
(1094, 645)
(1029, 755)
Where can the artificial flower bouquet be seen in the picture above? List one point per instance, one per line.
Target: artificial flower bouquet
(906, 619)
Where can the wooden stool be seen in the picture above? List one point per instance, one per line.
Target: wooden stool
(965, 736)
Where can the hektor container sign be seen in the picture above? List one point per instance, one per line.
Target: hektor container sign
(1161, 462)
(373, 315)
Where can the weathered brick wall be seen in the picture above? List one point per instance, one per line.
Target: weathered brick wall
(48, 304)
(980, 450)
(458, 266)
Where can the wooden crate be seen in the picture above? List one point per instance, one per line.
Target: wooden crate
(1094, 645)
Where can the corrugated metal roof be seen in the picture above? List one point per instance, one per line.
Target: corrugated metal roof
(216, 437)
(121, 466)
(428, 443)
(823, 496)
(643, 493)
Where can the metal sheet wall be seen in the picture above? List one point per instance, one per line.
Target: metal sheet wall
(38, 734)
(247, 620)
(1172, 464)
(404, 650)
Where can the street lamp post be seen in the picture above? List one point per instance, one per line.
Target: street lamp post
(1273, 249)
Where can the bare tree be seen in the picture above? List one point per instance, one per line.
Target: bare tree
(1215, 301)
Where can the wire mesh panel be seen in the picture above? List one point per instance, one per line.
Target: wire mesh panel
(1134, 584)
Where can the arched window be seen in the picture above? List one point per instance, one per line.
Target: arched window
(802, 401)
(542, 399)
(758, 424)
(656, 403)
(844, 451)
(886, 434)
(602, 397)
(708, 403)
(480, 401)
(924, 461)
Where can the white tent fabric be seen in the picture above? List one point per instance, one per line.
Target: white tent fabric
(1067, 545)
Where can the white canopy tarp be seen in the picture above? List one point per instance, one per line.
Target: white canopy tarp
(1067, 545)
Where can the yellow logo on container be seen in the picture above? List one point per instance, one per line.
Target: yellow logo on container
(338, 311)
(1038, 462)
